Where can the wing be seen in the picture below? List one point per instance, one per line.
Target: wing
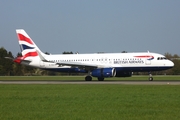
(73, 64)
(78, 64)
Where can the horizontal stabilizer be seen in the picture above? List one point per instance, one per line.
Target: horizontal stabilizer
(18, 60)
(10, 58)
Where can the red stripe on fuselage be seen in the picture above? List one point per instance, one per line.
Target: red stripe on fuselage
(24, 38)
(145, 56)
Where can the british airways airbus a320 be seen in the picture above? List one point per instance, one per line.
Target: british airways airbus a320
(95, 65)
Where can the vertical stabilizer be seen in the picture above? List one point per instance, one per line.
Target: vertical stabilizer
(27, 46)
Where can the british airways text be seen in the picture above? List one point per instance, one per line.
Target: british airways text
(129, 62)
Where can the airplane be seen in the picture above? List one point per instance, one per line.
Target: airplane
(99, 65)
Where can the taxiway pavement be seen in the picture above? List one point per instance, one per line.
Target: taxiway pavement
(127, 82)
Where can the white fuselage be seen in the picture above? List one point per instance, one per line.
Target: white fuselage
(120, 61)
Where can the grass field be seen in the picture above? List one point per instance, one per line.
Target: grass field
(89, 102)
(156, 77)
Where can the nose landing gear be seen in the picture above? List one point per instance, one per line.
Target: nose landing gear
(150, 77)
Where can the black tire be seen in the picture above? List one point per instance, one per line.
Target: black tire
(150, 78)
(100, 79)
(88, 78)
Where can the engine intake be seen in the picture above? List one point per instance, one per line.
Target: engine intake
(103, 72)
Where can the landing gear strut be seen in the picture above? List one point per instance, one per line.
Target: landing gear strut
(88, 77)
(150, 77)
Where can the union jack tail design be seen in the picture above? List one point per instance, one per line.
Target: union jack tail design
(27, 46)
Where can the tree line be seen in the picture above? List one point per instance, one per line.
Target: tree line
(10, 68)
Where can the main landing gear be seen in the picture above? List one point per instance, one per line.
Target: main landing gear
(150, 77)
(88, 78)
(100, 79)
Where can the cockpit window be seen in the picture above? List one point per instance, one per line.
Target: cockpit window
(161, 58)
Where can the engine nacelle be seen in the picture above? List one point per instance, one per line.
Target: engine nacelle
(103, 72)
(123, 74)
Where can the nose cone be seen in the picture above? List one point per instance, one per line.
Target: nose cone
(170, 64)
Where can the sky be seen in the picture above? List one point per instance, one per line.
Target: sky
(90, 26)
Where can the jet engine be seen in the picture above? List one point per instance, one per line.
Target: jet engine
(103, 72)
